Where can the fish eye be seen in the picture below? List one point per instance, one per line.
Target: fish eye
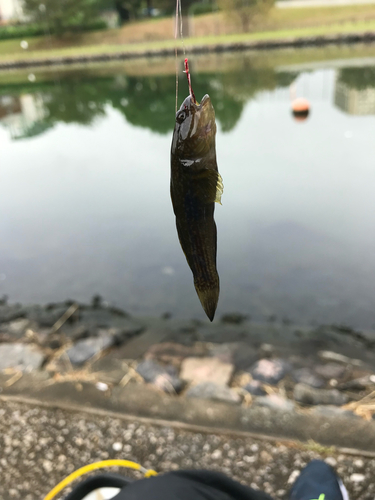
(181, 116)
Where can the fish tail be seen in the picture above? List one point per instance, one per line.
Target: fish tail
(209, 298)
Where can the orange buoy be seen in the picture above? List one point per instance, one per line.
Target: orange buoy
(300, 108)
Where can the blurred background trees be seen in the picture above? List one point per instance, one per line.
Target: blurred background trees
(246, 12)
(65, 15)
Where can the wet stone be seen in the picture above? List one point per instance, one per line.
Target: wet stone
(198, 370)
(224, 352)
(127, 330)
(358, 384)
(255, 388)
(23, 357)
(266, 350)
(14, 329)
(330, 370)
(244, 356)
(164, 378)
(333, 411)
(109, 369)
(79, 331)
(270, 371)
(275, 402)
(47, 317)
(10, 313)
(310, 396)
(85, 349)
(174, 353)
(213, 391)
(338, 358)
(308, 377)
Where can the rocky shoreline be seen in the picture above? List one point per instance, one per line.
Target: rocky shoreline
(326, 372)
(290, 42)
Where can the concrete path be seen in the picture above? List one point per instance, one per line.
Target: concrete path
(290, 4)
(39, 446)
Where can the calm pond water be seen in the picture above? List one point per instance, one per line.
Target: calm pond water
(85, 186)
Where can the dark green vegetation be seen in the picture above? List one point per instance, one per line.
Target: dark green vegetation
(64, 15)
(32, 30)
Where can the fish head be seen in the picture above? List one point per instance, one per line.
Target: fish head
(195, 129)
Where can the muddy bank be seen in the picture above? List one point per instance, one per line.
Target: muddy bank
(273, 379)
(291, 42)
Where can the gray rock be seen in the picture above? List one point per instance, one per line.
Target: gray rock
(47, 317)
(10, 313)
(224, 352)
(110, 370)
(358, 384)
(173, 353)
(339, 358)
(266, 351)
(85, 349)
(23, 357)
(14, 329)
(270, 371)
(79, 331)
(255, 388)
(308, 377)
(215, 392)
(244, 356)
(330, 370)
(164, 378)
(198, 370)
(333, 411)
(310, 396)
(275, 402)
(127, 330)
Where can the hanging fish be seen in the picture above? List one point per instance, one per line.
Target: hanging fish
(195, 187)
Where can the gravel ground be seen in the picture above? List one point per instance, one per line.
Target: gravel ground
(40, 446)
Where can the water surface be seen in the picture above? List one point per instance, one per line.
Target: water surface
(85, 186)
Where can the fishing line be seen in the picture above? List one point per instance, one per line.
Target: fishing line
(181, 32)
(175, 51)
(178, 24)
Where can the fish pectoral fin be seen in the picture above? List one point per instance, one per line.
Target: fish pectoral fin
(208, 185)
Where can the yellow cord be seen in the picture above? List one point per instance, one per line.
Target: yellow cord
(97, 465)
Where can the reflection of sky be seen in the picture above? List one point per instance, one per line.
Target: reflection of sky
(88, 211)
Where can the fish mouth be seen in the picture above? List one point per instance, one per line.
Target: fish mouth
(206, 101)
(206, 116)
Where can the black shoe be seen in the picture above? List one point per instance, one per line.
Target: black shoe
(318, 481)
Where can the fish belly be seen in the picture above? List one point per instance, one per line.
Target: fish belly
(198, 238)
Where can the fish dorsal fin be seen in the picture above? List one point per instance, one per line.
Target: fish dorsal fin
(208, 185)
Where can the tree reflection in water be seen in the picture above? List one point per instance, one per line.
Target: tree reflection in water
(145, 101)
